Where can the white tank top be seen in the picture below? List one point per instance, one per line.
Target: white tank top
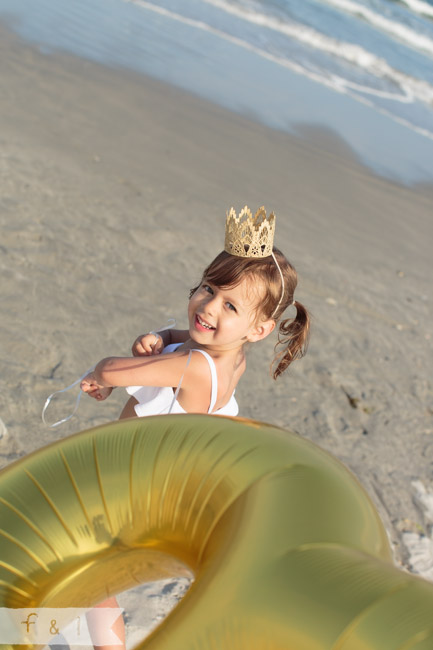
(156, 400)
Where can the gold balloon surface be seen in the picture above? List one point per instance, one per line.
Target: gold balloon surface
(286, 549)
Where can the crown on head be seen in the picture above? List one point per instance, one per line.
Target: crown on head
(248, 236)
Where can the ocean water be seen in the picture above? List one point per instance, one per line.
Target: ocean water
(361, 68)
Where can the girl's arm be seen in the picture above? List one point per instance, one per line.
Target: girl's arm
(163, 370)
(144, 345)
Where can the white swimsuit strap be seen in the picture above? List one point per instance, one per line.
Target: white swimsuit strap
(214, 378)
(213, 372)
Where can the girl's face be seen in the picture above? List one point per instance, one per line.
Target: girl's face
(226, 318)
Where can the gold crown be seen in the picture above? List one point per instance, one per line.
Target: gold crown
(248, 236)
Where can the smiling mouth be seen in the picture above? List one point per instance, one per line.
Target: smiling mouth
(202, 323)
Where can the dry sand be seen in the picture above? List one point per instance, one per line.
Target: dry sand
(113, 194)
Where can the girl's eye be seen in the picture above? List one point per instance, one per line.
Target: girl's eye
(230, 306)
(207, 288)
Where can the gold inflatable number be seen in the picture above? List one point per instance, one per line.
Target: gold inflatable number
(286, 549)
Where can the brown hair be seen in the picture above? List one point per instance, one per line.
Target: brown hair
(229, 270)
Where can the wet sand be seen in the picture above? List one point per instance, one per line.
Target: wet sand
(114, 189)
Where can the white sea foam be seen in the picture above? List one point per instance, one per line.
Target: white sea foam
(316, 39)
(410, 88)
(419, 7)
(333, 82)
(394, 29)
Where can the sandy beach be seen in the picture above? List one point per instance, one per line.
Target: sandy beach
(114, 189)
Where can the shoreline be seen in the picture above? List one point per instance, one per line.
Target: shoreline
(114, 189)
(257, 88)
(318, 138)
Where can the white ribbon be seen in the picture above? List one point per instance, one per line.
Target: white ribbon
(170, 323)
(282, 285)
(63, 390)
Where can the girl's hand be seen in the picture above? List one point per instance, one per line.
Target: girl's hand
(93, 389)
(147, 344)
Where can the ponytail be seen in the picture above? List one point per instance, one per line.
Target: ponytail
(293, 334)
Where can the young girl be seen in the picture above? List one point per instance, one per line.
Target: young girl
(240, 299)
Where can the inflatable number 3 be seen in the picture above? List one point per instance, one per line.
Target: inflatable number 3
(286, 549)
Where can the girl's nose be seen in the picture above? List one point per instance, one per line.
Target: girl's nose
(211, 304)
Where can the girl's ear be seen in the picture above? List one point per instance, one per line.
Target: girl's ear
(261, 331)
